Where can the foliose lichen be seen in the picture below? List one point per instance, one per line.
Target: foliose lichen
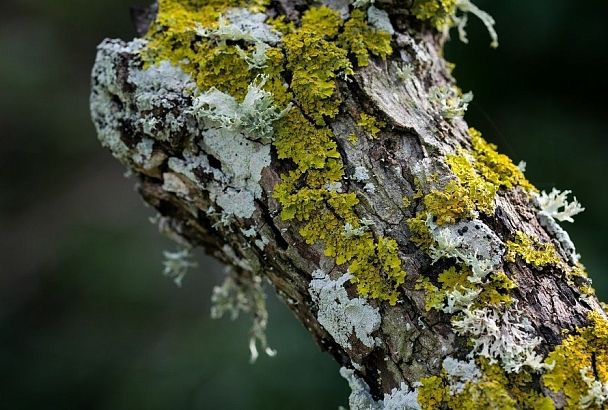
(532, 251)
(371, 125)
(360, 398)
(444, 14)
(580, 365)
(340, 315)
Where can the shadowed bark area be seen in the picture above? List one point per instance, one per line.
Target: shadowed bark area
(406, 159)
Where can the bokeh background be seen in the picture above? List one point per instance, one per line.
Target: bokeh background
(86, 318)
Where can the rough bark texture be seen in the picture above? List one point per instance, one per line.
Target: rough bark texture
(411, 341)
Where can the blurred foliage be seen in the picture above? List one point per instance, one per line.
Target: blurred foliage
(86, 318)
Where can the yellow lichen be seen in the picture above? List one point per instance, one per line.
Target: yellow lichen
(419, 230)
(584, 354)
(440, 13)
(432, 393)
(480, 173)
(495, 389)
(495, 167)
(301, 72)
(370, 124)
(492, 293)
(174, 37)
(306, 145)
(361, 39)
(532, 251)
(480, 191)
(322, 20)
(315, 62)
(450, 205)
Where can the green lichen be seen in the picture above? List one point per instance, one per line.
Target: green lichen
(370, 124)
(532, 251)
(580, 356)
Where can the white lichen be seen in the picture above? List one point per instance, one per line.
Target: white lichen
(250, 232)
(561, 236)
(459, 299)
(108, 113)
(244, 294)
(504, 336)
(341, 316)
(159, 85)
(350, 231)
(240, 24)
(597, 392)
(177, 264)
(334, 186)
(450, 101)
(369, 187)
(465, 6)
(379, 19)
(459, 373)
(522, 165)
(555, 205)
(144, 151)
(404, 71)
(361, 174)
(471, 242)
(253, 117)
(257, 60)
(360, 398)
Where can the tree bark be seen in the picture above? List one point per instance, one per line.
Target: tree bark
(411, 341)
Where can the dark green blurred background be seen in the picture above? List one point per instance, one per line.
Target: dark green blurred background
(86, 318)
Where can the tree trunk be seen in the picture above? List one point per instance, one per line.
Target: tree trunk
(429, 265)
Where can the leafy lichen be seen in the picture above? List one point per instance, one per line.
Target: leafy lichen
(532, 251)
(495, 167)
(444, 14)
(311, 194)
(315, 62)
(361, 39)
(479, 174)
(491, 389)
(370, 124)
(454, 280)
(578, 362)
